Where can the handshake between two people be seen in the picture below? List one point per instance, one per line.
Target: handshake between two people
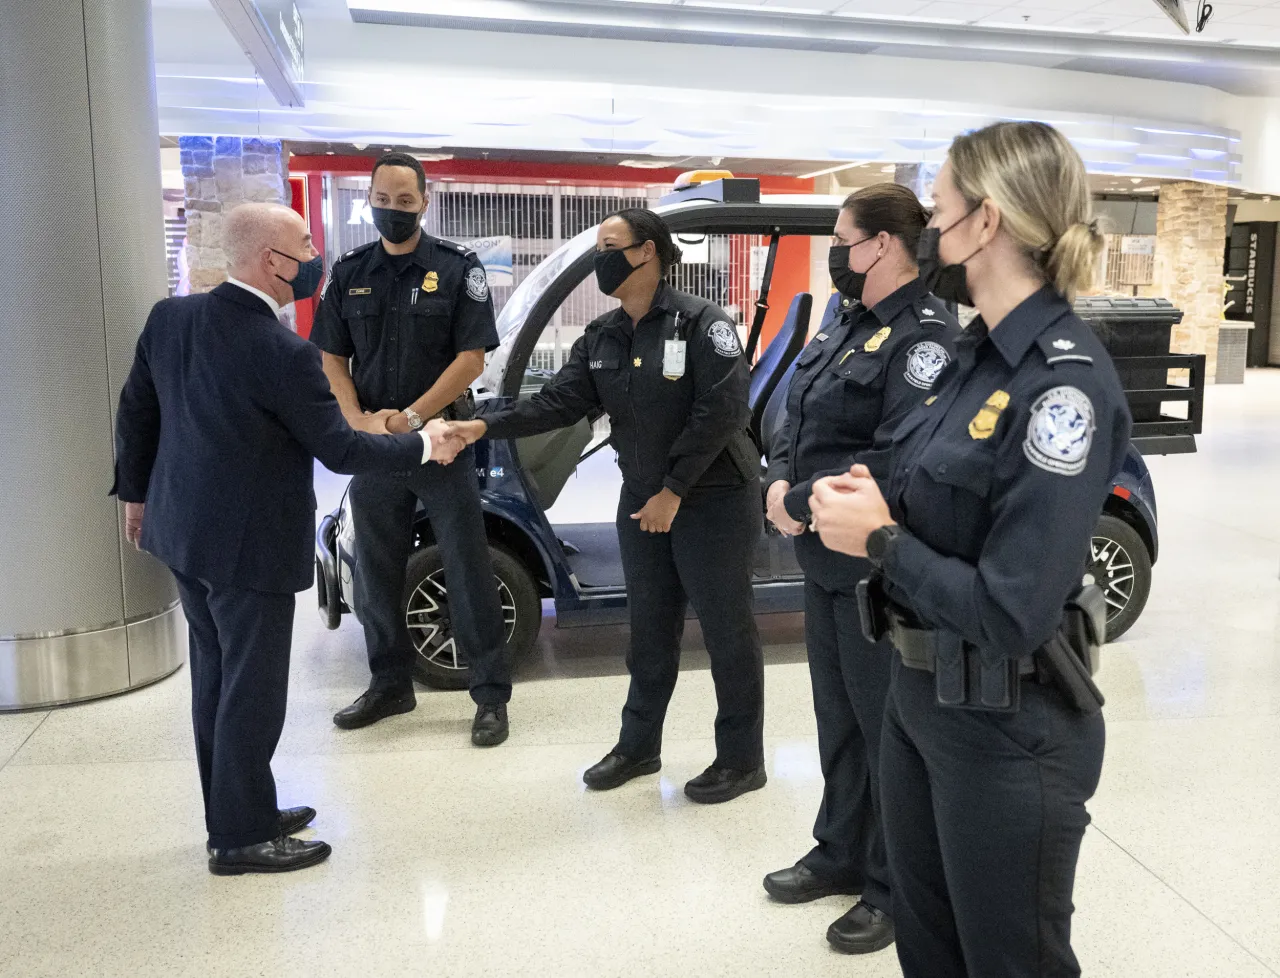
(448, 438)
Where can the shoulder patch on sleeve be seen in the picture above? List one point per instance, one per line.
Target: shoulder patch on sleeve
(478, 284)
(1058, 346)
(925, 361)
(1060, 431)
(724, 338)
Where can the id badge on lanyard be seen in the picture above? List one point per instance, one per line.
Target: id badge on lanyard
(674, 355)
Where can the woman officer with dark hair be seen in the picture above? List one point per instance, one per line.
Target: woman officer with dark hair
(859, 376)
(669, 369)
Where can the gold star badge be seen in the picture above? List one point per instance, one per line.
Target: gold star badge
(635, 362)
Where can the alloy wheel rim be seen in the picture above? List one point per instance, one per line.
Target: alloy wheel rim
(431, 628)
(1112, 569)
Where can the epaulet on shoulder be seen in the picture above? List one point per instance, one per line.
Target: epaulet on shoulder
(358, 251)
(930, 311)
(453, 246)
(1058, 347)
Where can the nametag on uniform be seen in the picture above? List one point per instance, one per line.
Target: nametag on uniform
(359, 291)
(673, 360)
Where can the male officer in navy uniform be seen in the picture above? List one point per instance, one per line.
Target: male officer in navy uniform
(404, 324)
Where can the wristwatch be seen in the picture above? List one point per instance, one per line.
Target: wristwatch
(880, 540)
(414, 418)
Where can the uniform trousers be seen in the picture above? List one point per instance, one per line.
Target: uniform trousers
(850, 678)
(986, 812)
(383, 507)
(706, 559)
(239, 663)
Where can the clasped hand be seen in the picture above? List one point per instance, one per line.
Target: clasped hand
(776, 510)
(446, 443)
(846, 509)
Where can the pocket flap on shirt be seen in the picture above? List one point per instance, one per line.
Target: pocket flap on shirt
(862, 368)
(437, 306)
(360, 306)
(965, 466)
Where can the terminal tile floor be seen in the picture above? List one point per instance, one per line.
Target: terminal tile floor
(453, 861)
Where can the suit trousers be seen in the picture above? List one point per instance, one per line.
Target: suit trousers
(239, 661)
(383, 508)
(705, 560)
(988, 811)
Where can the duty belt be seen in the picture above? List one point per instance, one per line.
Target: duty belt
(918, 646)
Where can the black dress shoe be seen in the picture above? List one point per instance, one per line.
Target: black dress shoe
(375, 705)
(616, 770)
(291, 820)
(720, 784)
(296, 819)
(800, 884)
(862, 930)
(490, 727)
(282, 855)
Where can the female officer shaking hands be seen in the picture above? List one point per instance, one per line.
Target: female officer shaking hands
(859, 376)
(669, 370)
(992, 742)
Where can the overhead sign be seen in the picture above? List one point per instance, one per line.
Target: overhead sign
(271, 34)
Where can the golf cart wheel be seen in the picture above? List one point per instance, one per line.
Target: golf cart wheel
(438, 661)
(1120, 564)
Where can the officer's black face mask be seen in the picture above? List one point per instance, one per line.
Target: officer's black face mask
(948, 282)
(847, 282)
(305, 283)
(612, 268)
(396, 226)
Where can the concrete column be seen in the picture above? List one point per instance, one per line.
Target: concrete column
(1191, 235)
(219, 173)
(82, 614)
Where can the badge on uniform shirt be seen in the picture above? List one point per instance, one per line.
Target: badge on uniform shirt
(925, 361)
(359, 291)
(877, 341)
(673, 360)
(636, 362)
(1060, 431)
(984, 422)
(431, 282)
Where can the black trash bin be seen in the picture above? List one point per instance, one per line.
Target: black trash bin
(1137, 333)
(1133, 327)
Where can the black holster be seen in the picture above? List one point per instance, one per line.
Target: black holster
(462, 409)
(873, 607)
(1071, 658)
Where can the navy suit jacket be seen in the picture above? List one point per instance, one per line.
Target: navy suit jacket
(218, 422)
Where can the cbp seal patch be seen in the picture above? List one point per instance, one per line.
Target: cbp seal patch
(1060, 431)
(924, 362)
(478, 284)
(725, 339)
